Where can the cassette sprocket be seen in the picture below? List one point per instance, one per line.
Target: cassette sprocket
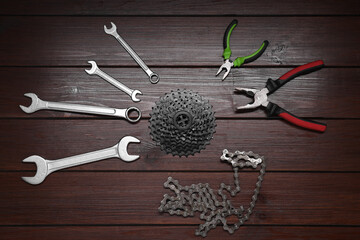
(182, 123)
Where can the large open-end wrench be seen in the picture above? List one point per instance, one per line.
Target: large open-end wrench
(96, 70)
(38, 104)
(153, 77)
(45, 167)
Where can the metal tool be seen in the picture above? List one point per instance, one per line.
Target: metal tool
(38, 104)
(272, 109)
(45, 167)
(182, 123)
(214, 205)
(153, 77)
(240, 60)
(95, 70)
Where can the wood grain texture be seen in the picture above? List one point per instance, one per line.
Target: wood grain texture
(187, 7)
(293, 149)
(319, 94)
(311, 188)
(133, 198)
(177, 232)
(177, 41)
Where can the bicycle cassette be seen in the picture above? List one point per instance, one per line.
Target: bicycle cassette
(182, 123)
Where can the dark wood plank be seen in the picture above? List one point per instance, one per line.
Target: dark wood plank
(133, 198)
(177, 41)
(176, 232)
(325, 93)
(285, 147)
(312, 188)
(187, 7)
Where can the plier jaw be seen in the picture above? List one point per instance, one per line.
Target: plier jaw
(227, 66)
(260, 97)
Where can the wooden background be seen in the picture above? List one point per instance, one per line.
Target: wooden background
(311, 189)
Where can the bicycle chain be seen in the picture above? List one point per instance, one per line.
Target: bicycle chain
(201, 198)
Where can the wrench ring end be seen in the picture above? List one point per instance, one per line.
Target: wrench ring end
(132, 120)
(154, 78)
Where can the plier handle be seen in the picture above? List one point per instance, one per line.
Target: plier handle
(240, 60)
(272, 109)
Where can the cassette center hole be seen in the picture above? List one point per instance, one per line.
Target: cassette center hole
(182, 120)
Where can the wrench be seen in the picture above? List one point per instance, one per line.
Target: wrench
(45, 167)
(38, 104)
(153, 77)
(95, 70)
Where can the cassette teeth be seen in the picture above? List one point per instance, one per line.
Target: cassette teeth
(182, 123)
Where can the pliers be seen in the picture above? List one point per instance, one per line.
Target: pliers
(272, 109)
(240, 60)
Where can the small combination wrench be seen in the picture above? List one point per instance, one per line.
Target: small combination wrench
(38, 104)
(46, 167)
(153, 77)
(96, 70)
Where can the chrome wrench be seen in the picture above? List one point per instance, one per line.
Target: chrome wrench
(38, 104)
(153, 77)
(45, 167)
(96, 70)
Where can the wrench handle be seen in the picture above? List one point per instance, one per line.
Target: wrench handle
(85, 158)
(69, 107)
(114, 82)
(153, 77)
(133, 54)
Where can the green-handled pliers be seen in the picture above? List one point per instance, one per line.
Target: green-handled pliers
(240, 60)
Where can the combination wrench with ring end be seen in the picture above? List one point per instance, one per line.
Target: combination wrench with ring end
(38, 104)
(96, 70)
(153, 77)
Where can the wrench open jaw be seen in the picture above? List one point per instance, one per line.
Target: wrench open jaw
(46, 167)
(36, 103)
(133, 95)
(112, 30)
(41, 172)
(122, 148)
(93, 69)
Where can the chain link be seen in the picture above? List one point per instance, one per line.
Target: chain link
(214, 208)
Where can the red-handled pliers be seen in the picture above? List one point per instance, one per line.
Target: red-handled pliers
(272, 109)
